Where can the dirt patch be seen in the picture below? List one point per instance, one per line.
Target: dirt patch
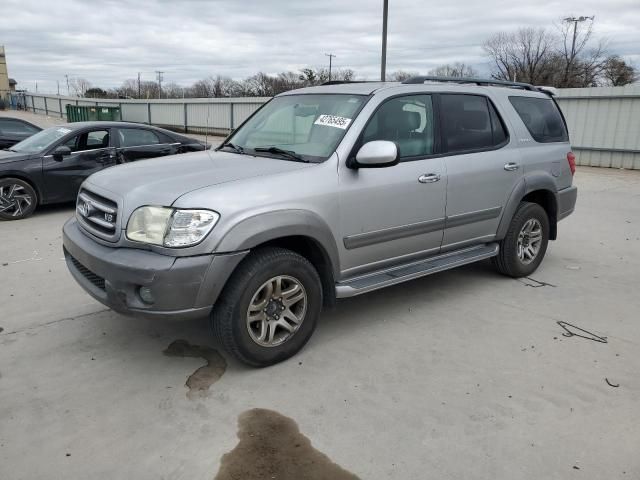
(205, 376)
(271, 446)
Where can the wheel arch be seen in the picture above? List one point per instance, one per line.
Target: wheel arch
(300, 231)
(535, 188)
(26, 179)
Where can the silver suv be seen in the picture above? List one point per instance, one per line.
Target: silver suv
(324, 193)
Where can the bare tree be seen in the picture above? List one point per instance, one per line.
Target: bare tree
(617, 72)
(79, 86)
(525, 55)
(401, 76)
(458, 69)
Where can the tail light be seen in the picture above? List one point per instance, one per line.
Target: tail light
(571, 158)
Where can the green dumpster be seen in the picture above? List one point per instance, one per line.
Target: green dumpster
(90, 113)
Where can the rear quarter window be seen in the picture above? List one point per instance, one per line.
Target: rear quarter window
(542, 118)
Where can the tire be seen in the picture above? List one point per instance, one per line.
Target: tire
(18, 199)
(517, 259)
(254, 285)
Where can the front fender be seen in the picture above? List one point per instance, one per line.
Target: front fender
(263, 227)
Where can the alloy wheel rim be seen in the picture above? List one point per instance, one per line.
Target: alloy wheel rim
(14, 199)
(276, 311)
(529, 241)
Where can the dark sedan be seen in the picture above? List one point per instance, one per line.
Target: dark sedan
(14, 130)
(49, 166)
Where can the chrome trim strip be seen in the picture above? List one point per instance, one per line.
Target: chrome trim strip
(379, 236)
(97, 204)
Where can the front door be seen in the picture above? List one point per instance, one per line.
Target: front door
(394, 214)
(483, 167)
(91, 151)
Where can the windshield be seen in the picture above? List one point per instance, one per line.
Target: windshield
(310, 126)
(41, 140)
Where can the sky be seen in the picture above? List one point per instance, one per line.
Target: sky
(109, 41)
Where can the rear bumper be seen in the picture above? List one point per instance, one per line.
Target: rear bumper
(567, 201)
(182, 287)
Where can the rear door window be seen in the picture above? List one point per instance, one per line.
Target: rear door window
(470, 123)
(542, 118)
(136, 137)
(8, 125)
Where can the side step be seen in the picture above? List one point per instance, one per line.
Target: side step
(409, 271)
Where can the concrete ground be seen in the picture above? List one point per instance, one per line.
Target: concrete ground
(464, 374)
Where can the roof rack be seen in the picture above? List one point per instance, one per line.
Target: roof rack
(478, 81)
(340, 82)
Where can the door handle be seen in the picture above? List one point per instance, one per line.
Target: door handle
(429, 178)
(511, 166)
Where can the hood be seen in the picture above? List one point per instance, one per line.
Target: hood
(7, 156)
(163, 180)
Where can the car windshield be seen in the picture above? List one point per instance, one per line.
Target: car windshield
(41, 140)
(307, 126)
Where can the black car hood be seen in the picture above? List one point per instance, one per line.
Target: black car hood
(6, 156)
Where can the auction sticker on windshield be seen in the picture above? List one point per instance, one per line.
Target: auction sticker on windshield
(333, 121)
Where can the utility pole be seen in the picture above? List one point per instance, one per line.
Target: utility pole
(58, 82)
(330, 55)
(383, 63)
(67, 77)
(575, 21)
(139, 93)
(159, 76)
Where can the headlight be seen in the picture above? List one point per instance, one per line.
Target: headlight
(170, 227)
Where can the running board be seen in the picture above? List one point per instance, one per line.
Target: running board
(403, 273)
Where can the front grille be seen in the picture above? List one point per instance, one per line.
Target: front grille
(97, 214)
(96, 280)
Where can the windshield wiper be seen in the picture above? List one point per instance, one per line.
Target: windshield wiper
(279, 151)
(234, 147)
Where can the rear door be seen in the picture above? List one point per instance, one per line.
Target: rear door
(140, 143)
(483, 167)
(91, 151)
(13, 131)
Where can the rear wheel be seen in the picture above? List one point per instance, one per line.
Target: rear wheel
(269, 307)
(18, 199)
(525, 244)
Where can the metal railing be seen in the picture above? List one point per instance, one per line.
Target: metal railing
(192, 115)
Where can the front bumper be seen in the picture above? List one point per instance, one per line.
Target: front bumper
(183, 287)
(567, 201)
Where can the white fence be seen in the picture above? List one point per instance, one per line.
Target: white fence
(604, 122)
(604, 125)
(195, 115)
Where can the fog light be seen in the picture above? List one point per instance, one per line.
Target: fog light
(146, 295)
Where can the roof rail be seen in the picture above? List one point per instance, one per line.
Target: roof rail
(478, 81)
(340, 82)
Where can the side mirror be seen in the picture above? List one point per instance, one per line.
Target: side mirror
(376, 154)
(60, 152)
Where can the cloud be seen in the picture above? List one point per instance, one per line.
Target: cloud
(109, 41)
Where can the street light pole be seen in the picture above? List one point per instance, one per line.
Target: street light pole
(383, 63)
(330, 55)
(575, 21)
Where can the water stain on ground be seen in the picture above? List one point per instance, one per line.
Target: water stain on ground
(205, 376)
(271, 446)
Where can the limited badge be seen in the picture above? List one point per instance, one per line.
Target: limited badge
(333, 121)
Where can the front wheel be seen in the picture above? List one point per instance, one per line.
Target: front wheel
(524, 245)
(269, 308)
(18, 199)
